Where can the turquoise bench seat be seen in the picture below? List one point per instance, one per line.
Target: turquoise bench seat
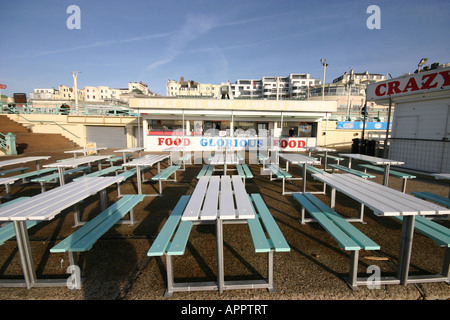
(7, 230)
(352, 171)
(207, 170)
(8, 171)
(433, 197)
(100, 173)
(397, 174)
(347, 236)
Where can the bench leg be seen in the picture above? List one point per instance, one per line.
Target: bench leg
(446, 265)
(169, 270)
(353, 276)
(271, 286)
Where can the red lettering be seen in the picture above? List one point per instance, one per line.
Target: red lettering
(160, 141)
(427, 84)
(446, 76)
(284, 144)
(393, 87)
(412, 84)
(177, 141)
(301, 144)
(187, 142)
(292, 144)
(169, 142)
(378, 90)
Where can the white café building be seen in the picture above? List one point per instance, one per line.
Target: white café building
(421, 122)
(205, 124)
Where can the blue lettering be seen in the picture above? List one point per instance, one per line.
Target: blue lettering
(203, 142)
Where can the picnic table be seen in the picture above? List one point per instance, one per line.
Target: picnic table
(84, 151)
(219, 200)
(299, 159)
(42, 207)
(320, 149)
(225, 159)
(387, 202)
(130, 150)
(147, 160)
(373, 160)
(11, 162)
(72, 163)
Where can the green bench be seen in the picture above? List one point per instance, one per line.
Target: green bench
(441, 236)
(7, 230)
(10, 180)
(397, 174)
(244, 172)
(8, 171)
(165, 174)
(118, 158)
(433, 197)
(54, 176)
(348, 237)
(350, 170)
(100, 173)
(276, 171)
(127, 174)
(84, 238)
(207, 170)
(314, 170)
(173, 237)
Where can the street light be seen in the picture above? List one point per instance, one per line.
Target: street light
(421, 63)
(75, 75)
(325, 64)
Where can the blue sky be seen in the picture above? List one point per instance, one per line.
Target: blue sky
(212, 41)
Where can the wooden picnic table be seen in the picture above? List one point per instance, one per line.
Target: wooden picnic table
(373, 160)
(72, 163)
(130, 150)
(225, 159)
(387, 202)
(84, 151)
(147, 160)
(46, 206)
(300, 159)
(20, 160)
(213, 200)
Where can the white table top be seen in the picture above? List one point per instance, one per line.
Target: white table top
(135, 149)
(384, 201)
(371, 159)
(319, 149)
(297, 158)
(443, 176)
(219, 197)
(221, 158)
(72, 163)
(22, 160)
(85, 150)
(48, 204)
(147, 160)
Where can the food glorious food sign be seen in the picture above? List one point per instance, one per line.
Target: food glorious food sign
(194, 143)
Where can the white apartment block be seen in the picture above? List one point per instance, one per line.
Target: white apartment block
(296, 85)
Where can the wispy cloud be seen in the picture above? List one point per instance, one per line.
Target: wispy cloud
(97, 44)
(194, 27)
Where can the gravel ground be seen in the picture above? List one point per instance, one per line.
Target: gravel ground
(117, 267)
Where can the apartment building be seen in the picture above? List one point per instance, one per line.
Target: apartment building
(191, 88)
(93, 94)
(294, 86)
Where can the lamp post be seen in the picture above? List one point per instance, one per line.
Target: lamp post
(325, 64)
(75, 75)
(421, 63)
(349, 89)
